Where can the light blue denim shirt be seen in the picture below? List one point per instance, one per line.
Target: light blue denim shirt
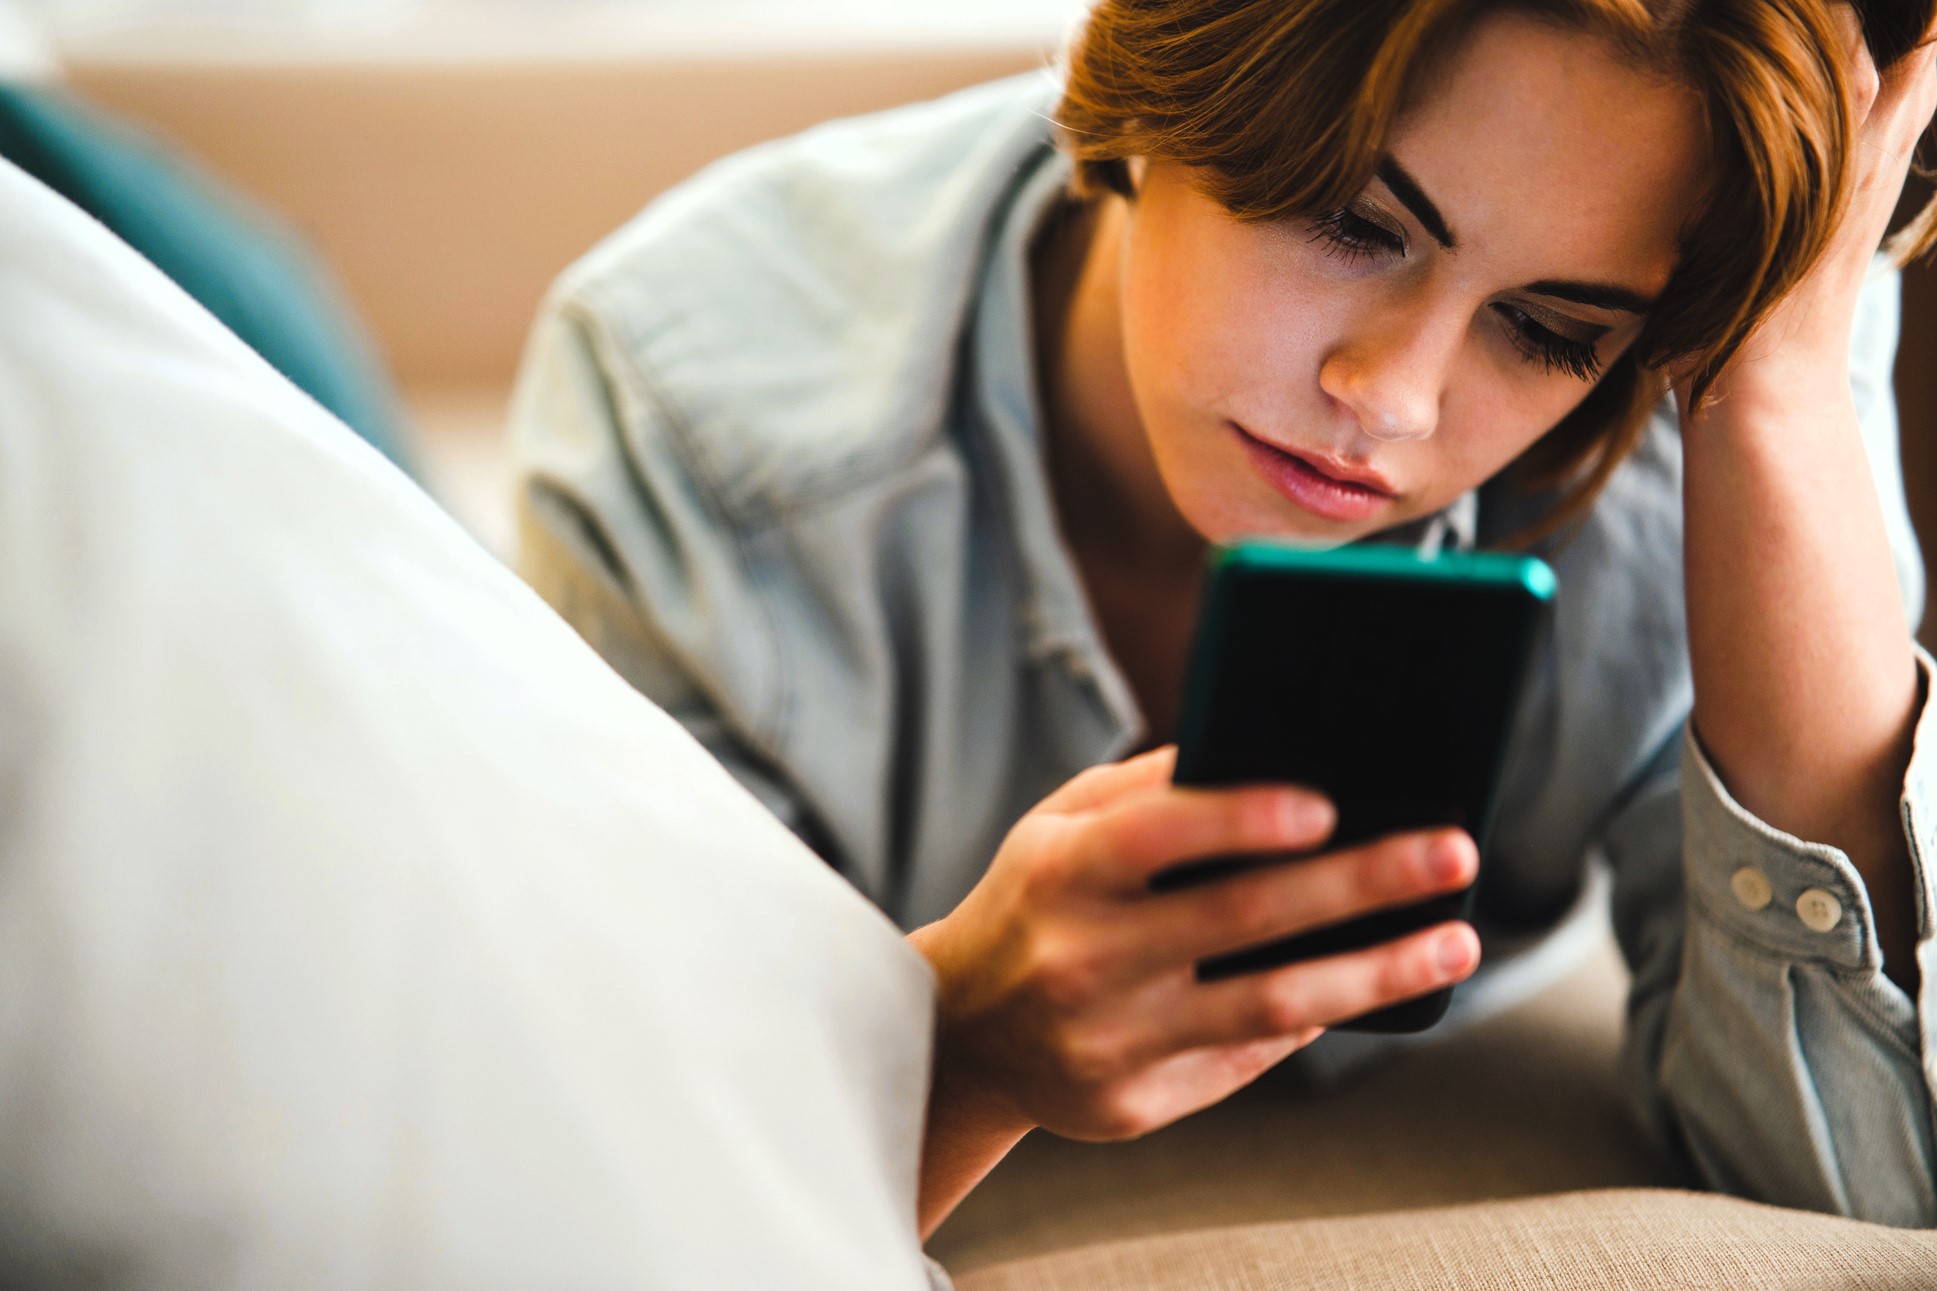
(782, 465)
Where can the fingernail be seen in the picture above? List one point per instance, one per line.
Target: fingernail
(1308, 814)
(1446, 858)
(1455, 954)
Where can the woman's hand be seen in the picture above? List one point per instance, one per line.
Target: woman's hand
(1068, 992)
(1803, 348)
(1806, 692)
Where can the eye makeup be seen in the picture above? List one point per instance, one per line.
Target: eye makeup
(1350, 235)
(1578, 357)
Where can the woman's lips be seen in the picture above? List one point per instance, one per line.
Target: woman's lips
(1308, 485)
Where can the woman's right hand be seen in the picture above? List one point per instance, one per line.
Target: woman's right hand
(1068, 993)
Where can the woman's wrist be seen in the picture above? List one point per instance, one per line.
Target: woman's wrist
(969, 1128)
(968, 1133)
(1788, 396)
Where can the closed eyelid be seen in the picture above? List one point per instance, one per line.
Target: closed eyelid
(1373, 212)
(1576, 329)
(1367, 211)
(1548, 348)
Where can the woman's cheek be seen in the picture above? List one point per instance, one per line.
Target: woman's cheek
(1238, 352)
(1186, 352)
(1490, 423)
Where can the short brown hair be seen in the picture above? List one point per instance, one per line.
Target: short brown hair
(1283, 108)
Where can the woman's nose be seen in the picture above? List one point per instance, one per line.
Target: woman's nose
(1391, 375)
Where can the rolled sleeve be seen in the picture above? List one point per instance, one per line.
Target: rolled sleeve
(1771, 891)
(1789, 1066)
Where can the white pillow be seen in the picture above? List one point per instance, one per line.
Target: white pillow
(358, 927)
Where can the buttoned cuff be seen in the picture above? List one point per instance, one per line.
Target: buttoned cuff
(1797, 899)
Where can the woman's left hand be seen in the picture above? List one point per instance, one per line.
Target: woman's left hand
(1806, 340)
(1806, 687)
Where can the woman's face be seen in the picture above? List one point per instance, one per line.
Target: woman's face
(1326, 379)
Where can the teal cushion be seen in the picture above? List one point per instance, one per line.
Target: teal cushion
(244, 267)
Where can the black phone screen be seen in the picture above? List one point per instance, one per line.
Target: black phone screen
(1392, 694)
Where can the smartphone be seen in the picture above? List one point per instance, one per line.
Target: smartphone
(1385, 679)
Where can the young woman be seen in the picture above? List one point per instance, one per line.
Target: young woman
(887, 459)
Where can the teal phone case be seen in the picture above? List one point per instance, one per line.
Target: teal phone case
(1386, 679)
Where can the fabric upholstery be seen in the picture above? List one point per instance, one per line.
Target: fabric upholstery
(1526, 1103)
(1624, 1240)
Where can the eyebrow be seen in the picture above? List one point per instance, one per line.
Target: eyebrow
(1413, 198)
(1599, 295)
(1596, 295)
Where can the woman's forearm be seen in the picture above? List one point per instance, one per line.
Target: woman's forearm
(966, 1138)
(968, 1131)
(1806, 688)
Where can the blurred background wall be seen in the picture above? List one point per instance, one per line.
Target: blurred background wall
(449, 157)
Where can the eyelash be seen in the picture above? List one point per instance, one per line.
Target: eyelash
(1351, 237)
(1552, 351)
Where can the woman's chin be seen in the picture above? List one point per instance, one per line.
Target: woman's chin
(1226, 522)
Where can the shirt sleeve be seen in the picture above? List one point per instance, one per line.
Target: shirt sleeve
(1764, 1039)
(620, 538)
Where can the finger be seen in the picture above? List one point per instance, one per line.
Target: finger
(1193, 1080)
(1325, 992)
(1909, 94)
(1903, 93)
(1859, 66)
(1276, 901)
(1103, 784)
(1167, 1086)
(1135, 838)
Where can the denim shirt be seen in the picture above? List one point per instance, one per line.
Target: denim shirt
(781, 463)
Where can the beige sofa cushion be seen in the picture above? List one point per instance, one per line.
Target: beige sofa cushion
(1623, 1240)
(1523, 1104)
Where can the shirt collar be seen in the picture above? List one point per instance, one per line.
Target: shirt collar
(1055, 618)
(1005, 392)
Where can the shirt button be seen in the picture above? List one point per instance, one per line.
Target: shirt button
(1819, 910)
(1751, 888)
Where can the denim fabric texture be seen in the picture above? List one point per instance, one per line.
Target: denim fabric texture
(781, 463)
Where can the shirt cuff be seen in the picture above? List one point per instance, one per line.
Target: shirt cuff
(1796, 899)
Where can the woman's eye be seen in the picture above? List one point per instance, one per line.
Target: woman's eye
(1349, 236)
(1549, 350)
